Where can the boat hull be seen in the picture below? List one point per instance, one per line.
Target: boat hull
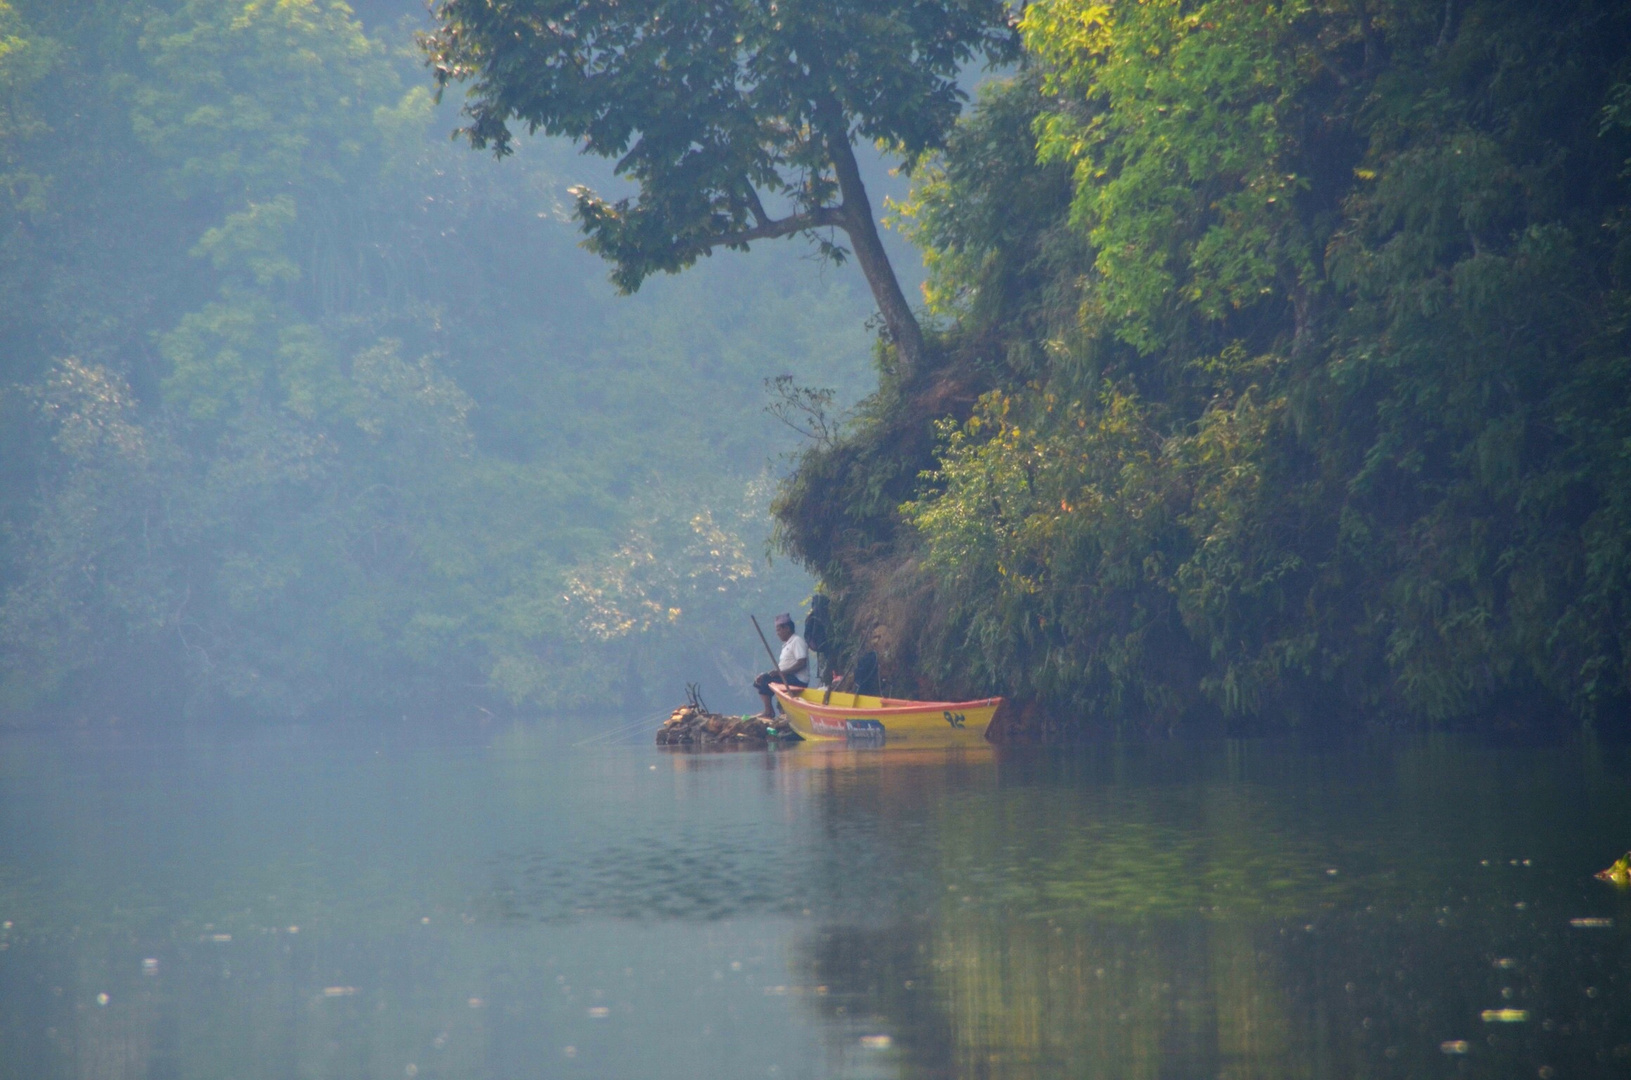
(815, 714)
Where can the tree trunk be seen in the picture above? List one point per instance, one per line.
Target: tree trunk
(863, 234)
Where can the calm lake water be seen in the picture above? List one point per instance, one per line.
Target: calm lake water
(521, 902)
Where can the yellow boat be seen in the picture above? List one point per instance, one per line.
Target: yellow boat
(818, 714)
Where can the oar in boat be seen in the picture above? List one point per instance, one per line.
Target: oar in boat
(839, 684)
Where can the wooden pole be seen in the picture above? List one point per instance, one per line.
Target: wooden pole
(777, 664)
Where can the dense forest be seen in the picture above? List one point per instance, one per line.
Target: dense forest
(1273, 365)
(306, 410)
(1281, 375)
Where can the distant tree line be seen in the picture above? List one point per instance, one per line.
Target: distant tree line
(305, 411)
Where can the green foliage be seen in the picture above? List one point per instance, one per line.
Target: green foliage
(713, 108)
(256, 93)
(991, 222)
(1306, 399)
(1058, 528)
(706, 106)
(331, 420)
(25, 61)
(1181, 130)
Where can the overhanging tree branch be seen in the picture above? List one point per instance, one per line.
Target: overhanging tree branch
(822, 217)
(705, 103)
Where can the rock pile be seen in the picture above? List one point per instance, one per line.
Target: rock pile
(693, 725)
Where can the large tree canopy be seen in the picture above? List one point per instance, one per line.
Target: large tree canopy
(713, 106)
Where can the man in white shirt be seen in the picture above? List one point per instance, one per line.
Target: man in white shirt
(791, 669)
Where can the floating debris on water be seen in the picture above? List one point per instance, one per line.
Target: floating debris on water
(1454, 1046)
(150, 966)
(102, 999)
(1504, 1016)
(1619, 873)
(339, 991)
(599, 1012)
(693, 724)
(1591, 924)
(876, 1042)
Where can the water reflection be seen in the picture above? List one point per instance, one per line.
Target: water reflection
(1404, 912)
(301, 904)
